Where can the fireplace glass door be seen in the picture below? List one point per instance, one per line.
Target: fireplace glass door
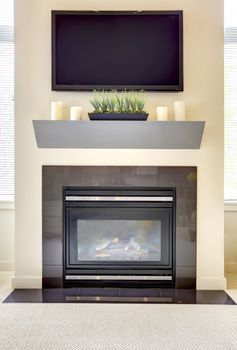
(115, 235)
(119, 235)
(119, 240)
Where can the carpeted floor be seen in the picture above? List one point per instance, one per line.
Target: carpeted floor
(117, 326)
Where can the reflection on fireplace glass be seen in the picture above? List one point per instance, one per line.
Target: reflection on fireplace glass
(121, 240)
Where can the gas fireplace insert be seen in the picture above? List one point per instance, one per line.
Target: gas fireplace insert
(119, 236)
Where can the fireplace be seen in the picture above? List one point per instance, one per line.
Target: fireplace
(119, 236)
(133, 180)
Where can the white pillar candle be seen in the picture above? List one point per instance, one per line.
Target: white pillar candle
(56, 110)
(179, 111)
(162, 113)
(75, 113)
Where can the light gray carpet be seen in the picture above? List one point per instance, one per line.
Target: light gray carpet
(117, 326)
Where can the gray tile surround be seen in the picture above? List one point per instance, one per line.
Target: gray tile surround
(183, 178)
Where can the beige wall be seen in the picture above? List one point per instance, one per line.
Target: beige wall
(6, 239)
(203, 69)
(231, 240)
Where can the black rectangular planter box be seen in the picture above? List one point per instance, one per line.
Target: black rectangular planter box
(118, 116)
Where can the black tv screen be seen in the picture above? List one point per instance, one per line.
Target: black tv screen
(117, 50)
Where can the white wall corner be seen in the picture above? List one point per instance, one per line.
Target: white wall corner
(211, 283)
(26, 282)
(6, 265)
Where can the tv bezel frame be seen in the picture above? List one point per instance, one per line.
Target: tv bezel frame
(73, 87)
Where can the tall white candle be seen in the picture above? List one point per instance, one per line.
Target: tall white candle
(179, 111)
(75, 113)
(56, 110)
(162, 113)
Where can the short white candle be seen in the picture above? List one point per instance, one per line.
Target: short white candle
(179, 111)
(56, 110)
(75, 113)
(162, 113)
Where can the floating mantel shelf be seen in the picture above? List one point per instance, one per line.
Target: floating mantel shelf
(119, 134)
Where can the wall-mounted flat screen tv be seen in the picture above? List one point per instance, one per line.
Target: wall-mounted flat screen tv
(117, 50)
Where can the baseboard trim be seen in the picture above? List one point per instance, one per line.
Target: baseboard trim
(26, 282)
(231, 268)
(6, 265)
(211, 283)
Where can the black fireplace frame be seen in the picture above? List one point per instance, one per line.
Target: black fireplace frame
(108, 268)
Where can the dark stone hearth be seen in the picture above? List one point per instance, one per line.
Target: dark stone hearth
(55, 177)
(119, 295)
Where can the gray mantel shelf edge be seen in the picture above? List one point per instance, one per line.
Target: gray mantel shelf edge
(119, 134)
